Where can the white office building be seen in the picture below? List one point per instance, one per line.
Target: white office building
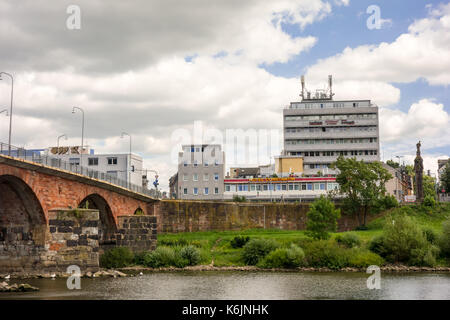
(320, 129)
(123, 166)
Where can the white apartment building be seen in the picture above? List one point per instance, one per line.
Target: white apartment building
(201, 172)
(319, 129)
(126, 167)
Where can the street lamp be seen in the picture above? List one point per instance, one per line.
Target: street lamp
(63, 135)
(82, 132)
(121, 136)
(11, 108)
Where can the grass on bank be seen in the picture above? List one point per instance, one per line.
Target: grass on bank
(227, 248)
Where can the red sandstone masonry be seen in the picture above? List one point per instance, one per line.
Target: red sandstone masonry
(56, 192)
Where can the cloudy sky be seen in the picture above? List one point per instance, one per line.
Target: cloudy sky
(153, 68)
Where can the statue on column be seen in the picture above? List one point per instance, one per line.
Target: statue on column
(418, 169)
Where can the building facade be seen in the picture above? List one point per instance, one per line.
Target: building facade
(279, 189)
(126, 167)
(201, 172)
(319, 129)
(401, 184)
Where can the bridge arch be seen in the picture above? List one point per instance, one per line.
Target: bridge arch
(107, 227)
(23, 225)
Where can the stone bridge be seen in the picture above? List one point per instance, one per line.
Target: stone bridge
(35, 224)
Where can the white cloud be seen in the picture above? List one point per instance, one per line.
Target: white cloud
(424, 120)
(423, 52)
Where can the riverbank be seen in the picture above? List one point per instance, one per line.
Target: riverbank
(136, 271)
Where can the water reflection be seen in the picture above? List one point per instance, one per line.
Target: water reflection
(244, 285)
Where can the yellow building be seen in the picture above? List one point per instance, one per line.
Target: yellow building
(288, 165)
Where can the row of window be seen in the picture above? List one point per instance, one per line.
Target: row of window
(331, 141)
(333, 129)
(94, 161)
(195, 191)
(282, 187)
(334, 153)
(333, 117)
(195, 177)
(325, 105)
(201, 149)
(196, 163)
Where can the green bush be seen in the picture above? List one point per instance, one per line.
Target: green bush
(161, 257)
(444, 239)
(239, 241)
(404, 241)
(191, 254)
(257, 249)
(430, 235)
(348, 240)
(429, 201)
(360, 258)
(322, 218)
(237, 198)
(119, 257)
(389, 202)
(377, 245)
(325, 253)
(139, 258)
(291, 257)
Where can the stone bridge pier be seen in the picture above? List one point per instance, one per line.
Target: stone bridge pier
(51, 218)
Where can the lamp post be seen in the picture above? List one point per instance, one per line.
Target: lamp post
(10, 110)
(63, 135)
(122, 136)
(82, 133)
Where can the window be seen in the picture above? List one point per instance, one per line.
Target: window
(227, 187)
(93, 161)
(197, 149)
(195, 163)
(206, 164)
(195, 177)
(216, 162)
(185, 191)
(195, 191)
(303, 186)
(309, 186)
(265, 187)
(283, 187)
(291, 187)
(185, 177)
(112, 161)
(278, 187)
(316, 186)
(192, 149)
(297, 187)
(216, 190)
(205, 177)
(322, 186)
(185, 163)
(206, 191)
(216, 176)
(75, 161)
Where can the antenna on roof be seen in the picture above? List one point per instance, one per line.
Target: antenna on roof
(330, 85)
(303, 87)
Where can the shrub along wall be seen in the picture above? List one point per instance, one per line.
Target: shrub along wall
(188, 216)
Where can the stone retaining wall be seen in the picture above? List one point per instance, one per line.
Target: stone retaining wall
(137, 232)
(190, 216)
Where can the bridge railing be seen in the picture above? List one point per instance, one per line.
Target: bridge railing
(36, 157)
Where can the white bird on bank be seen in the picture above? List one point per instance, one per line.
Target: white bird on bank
(141, 274)
(53, 276)
(8, 277)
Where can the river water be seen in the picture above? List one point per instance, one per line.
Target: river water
(244, 285)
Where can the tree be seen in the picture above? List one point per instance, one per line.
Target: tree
(445, 178)
(362, 185)
(322, 218)
(429, 187)
(393, 164)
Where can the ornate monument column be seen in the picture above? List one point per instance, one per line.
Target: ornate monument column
(418, 169)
